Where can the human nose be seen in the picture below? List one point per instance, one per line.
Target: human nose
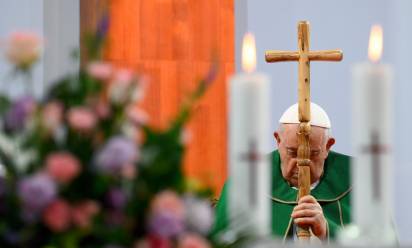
(293, 163)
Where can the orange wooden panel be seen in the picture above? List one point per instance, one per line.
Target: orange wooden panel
(172, 41)
(90, 13)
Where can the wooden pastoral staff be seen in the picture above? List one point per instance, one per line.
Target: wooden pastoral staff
(303, 56)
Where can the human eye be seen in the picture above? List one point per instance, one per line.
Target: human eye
(292, 152)
(314, 153)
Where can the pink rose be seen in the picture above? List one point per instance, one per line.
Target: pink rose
(82, 119)
(52, 115)
(83, 213)
(168, 201)
(57, 216)
(193, 241)
(62, 166)
(100, 70)
(23, 49)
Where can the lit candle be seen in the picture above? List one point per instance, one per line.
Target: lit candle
(372, 165)
(249, 166)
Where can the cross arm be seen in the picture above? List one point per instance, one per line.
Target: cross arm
(325, 55)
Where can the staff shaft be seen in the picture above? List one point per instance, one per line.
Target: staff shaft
(304, 118)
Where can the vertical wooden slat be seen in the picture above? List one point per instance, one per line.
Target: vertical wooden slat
(90, 13)
(172, 41)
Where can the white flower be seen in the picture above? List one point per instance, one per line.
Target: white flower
(199, 214)
(122, 87)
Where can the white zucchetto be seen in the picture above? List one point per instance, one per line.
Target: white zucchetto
(318, 116)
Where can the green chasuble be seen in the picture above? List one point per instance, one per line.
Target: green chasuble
(332, 193)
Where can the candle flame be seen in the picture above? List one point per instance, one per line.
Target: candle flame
(375, 43)
(249, 53)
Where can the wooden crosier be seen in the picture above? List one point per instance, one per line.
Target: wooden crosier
(303, 56)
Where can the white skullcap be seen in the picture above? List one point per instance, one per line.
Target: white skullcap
(318, 116)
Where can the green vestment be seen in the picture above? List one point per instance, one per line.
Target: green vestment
(332, 193)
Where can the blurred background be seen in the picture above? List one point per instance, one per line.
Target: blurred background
(173, 42)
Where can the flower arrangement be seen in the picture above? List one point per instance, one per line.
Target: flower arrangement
(82, 168)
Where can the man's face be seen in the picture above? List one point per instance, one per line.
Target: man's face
(288, 146)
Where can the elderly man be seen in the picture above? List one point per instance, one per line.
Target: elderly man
(328, 206)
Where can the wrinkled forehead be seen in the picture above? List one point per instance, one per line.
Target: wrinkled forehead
(290, 138)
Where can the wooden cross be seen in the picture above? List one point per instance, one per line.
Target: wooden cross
(253, 157)
(303, 56)
(376, 149)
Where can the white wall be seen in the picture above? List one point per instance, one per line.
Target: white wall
(57, 21)
(20, 15)
(345, 25)
(62, 31)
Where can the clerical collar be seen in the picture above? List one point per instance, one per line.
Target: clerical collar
(311, 186)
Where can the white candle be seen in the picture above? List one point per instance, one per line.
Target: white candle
(372, 165)
(249, 166)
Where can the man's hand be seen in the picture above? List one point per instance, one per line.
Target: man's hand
(308, 212)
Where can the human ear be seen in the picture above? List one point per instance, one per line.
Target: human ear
(330, 143)
(277, 137)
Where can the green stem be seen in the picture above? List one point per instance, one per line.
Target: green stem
(29, 89)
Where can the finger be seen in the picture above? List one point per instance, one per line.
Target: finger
(305, 221)
(305, 206)
(308, 199)
(305, 213)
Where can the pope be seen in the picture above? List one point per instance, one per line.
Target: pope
(328, 207)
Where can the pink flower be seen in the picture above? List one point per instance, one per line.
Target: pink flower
(62, 166)
(119, 93)
(168, 201)
(129, 171)
(23, 49)
(82, 119)
(152, 241)
(52, 115)
(185, 136)
(57, 216)
(193, 241)
(139, 91)
(100, 70)
(122, 87)
(102, 109)
(137, 115)
(159, 242)
(83, 213)
(167, 215)
(123, 76)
